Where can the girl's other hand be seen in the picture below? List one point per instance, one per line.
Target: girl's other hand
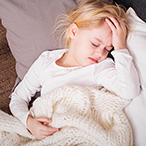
(38, 128)
(118, 33)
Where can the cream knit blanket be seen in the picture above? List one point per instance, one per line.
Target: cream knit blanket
(86, 116)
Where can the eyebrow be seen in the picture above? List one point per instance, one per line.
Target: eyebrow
(102, 42)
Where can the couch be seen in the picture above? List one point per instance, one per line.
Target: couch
(14, 62)
(7, 71)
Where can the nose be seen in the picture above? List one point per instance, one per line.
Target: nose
(100, 51)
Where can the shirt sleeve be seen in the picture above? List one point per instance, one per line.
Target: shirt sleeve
(119, 76)
(26, 89)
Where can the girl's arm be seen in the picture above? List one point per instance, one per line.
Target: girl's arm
(120, 77)
(21, 97)
(26, 89)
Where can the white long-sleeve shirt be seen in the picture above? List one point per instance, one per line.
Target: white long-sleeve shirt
(119, 76)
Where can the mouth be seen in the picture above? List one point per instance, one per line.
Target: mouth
(93, 60)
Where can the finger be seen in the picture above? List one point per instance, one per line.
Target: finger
(53, 129)
(49, 129)
(110, 24)
(114, 22)
(44, 120)
(123, 25)
(47, 133)
(42, 137)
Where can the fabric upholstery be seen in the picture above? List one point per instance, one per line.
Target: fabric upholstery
(29, 27)
(138, 5)
(136, 43)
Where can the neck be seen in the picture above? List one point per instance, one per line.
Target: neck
(67, 60)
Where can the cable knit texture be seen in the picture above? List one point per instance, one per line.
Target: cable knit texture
(86, 117)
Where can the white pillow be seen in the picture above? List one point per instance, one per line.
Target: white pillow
(136, 42)
(136, 110)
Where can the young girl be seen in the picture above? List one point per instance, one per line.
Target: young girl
(92, 30)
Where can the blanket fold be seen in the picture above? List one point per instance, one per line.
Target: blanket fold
(85, 116)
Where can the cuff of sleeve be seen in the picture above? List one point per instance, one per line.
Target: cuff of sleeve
(121, 52)
(24, 120)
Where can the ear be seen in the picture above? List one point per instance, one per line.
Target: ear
(73, 30)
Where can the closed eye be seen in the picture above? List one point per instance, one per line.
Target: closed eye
(95, 45)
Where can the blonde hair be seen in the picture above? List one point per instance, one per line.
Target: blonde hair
(89, 14)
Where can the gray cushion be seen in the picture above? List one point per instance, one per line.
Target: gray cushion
(29, 26)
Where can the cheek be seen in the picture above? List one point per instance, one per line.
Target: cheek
(85, 49)
(104, 56)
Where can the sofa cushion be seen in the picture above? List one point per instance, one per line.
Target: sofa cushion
(136, 43)
(136, 110)
(29, 26)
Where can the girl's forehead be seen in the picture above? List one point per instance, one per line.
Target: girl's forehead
(101, 34)
(101, 30)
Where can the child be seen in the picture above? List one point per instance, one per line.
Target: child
(92, 30)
